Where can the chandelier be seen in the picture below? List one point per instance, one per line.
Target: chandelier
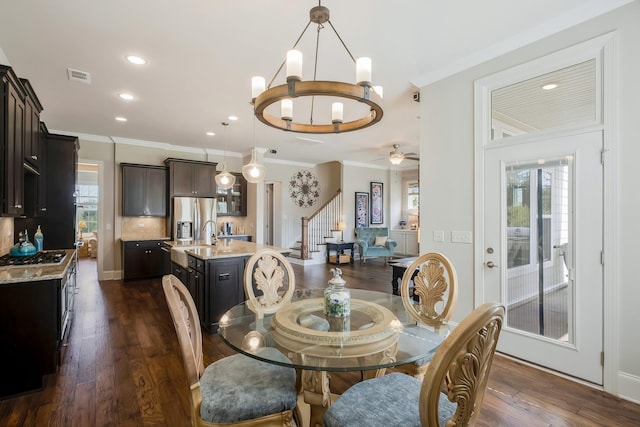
(362, 91)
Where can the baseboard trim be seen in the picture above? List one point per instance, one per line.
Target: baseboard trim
(629, 387)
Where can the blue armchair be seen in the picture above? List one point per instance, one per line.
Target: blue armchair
(366, 241)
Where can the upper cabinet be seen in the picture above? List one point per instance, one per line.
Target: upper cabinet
(191, 178)
(233, 202)
(12, 125)
(32, 139)
(144, 190)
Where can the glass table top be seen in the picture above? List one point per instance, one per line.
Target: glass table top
(376, 335)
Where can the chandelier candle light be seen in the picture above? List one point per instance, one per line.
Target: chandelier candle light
(225, 180)
(362, 91)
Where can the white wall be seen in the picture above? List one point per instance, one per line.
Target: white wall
(447, 135)
(289, 220)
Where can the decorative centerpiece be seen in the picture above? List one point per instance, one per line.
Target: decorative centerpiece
(337, 299)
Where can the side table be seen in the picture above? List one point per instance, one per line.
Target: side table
(339, 248)
(399, 266)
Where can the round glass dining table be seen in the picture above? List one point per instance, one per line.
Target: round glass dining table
(376, 335)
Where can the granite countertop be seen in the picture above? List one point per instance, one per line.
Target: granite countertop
(36, 272)
(185, 243)
(228, 248)
(143, 239)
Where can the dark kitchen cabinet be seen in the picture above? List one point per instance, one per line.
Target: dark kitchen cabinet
(233, 202)
(35, 321)
(57, 215)
(32, 145)
(224, 288)
(12, 125)
(144, 190)
(191, 178)
(29, 329)
(182, 273)
(196, 283)
(142, 259)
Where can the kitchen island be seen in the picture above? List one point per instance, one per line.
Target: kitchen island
(36, 309)
(214, 274)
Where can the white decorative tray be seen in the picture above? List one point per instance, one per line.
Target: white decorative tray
(290, 330)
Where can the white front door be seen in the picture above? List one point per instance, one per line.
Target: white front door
(543, 240)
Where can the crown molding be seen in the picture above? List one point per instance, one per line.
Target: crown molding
(578, 15)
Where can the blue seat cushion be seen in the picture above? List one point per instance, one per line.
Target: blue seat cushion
(239, 387)
(391, 400)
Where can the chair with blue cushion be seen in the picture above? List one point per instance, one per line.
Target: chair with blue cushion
(236, 390)
(374, 242)
(450, 394)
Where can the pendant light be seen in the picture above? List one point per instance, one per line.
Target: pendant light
(225, 180)
(253, 171)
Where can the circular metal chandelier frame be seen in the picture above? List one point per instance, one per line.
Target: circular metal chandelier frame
(295, 89)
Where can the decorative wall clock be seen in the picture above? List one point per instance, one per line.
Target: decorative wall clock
(304, 189)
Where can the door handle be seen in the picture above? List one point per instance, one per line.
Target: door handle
(490, 264)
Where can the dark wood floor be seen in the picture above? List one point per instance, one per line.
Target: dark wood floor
(122, 367)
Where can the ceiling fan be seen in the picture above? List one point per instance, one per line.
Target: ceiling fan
(396, 157)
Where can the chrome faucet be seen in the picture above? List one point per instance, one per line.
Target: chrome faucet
(211, 239)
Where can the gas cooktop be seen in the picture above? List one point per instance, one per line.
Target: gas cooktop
(44, 257)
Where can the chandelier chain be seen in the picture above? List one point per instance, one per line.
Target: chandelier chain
(342, 41)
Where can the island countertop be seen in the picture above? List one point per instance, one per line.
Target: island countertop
(228, 248)
(35, 272)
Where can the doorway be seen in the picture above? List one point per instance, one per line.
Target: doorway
(268, 213)
(543, 242)
(542, 202)
(88, 208)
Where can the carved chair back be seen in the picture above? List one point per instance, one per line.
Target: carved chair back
(269, 282)
(461, 366)
(435, 289)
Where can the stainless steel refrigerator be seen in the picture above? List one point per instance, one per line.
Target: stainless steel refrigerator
(193, 219)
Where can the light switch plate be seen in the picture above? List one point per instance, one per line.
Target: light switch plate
(438, 236)
(461, 237)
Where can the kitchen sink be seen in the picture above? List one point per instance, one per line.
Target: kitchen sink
(179, 256)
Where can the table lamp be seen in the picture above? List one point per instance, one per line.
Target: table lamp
(341, 226)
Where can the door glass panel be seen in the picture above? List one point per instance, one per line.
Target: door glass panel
(564, 97)
(537, 205)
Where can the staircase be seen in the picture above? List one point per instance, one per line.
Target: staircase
(318, 227)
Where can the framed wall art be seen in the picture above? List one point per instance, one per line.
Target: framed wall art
(362, 210)
(377, 205)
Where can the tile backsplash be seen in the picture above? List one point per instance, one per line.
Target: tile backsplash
(6, 235)
(144, 228)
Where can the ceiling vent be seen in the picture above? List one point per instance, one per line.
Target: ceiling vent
(79, 76)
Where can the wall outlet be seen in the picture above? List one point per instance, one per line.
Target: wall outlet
(438, 236)
(461, 237)
(141, 225)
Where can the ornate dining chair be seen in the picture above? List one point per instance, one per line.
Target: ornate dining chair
(236, 390)
(269, 282)
(429, 298)
(460, 367)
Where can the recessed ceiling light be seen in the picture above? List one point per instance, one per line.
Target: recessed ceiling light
(233, 117)
(121, 119)
(550, 86)
(136, 60)
(210, 133)
(126, 96)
